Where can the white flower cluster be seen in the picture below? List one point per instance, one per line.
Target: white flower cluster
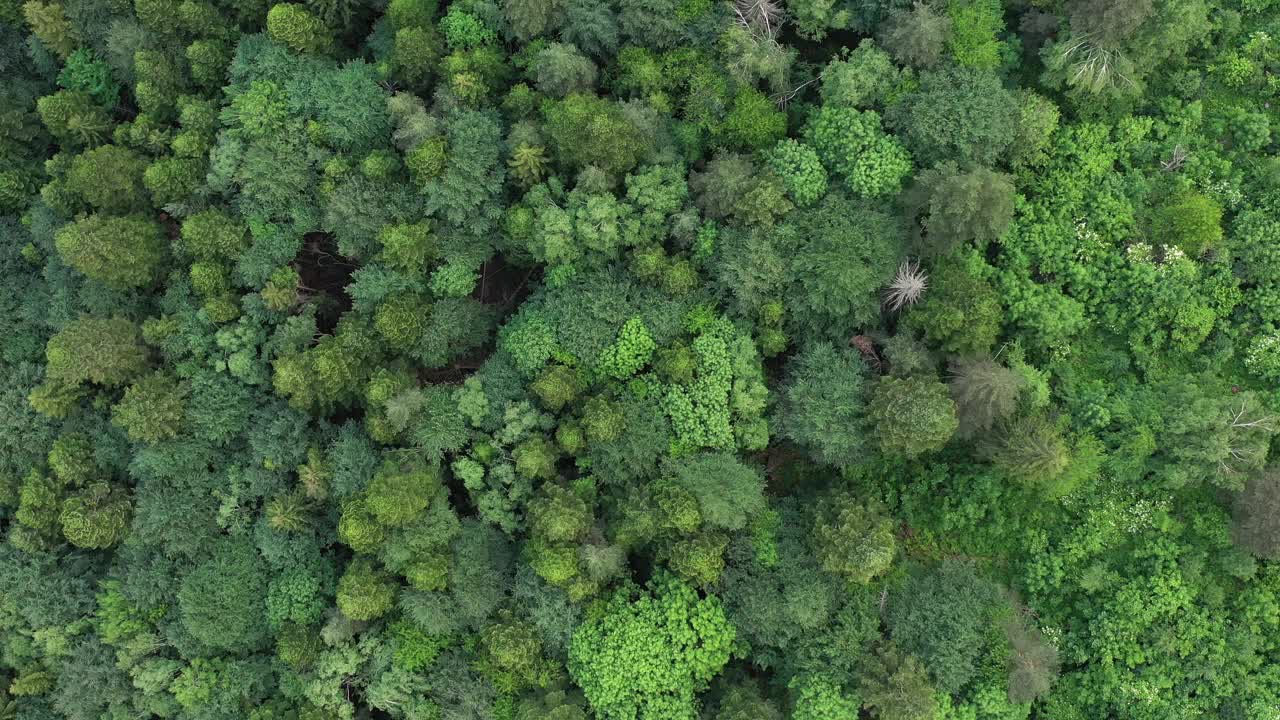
(1121, 510)
(1053, 635)
(1088, 242)
(1226, 191)
(1140, 515)
(1263, 356)
(1144, 692)
(1140, 252)
(1172, 253)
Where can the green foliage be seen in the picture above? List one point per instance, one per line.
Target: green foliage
(646, 653)
(121, 252)
(629, 353)
(813, 18)
(730, 494)
(358, 528)
(365, 592)
(801, 171)
(560, 69)
(269, 464)
(743, 702)
(587, 130)
(108, 178)
(557, 386)
(73, 117)
(896, 687)
(852, 145)
(464, 30)
(960, 312)
(824, 403)
(975, 25)
(940, 616)
(753, 123)
(296, 27)
(1191, 221)
(558, 515)
(847, 251)
(396, 495)
(911, 416)
(152, 408)
(958, 113)
(106, 351)
(516, 651)
(918, 36)
(1032, 450)
(962, 207)
(220, 600)
(732, 187)
(95, 517)
(865, 78)
(985, 393)
(49, 22)
(327, 374)
(415, 54)
(854, 540)
(817, 697)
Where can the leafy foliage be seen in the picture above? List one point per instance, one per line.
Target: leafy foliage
(639, 360)
(645, 653)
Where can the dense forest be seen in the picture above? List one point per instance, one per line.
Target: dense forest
(640, 359)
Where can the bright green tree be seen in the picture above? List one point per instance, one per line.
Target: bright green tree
(1190, 221)
(152, 408)
(365, 592)
(645, 653)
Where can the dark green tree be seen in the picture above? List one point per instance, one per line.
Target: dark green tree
(960, 114)
(824, 403)
(985, 392)
(940, 615)
(220, 600)
(960, 207)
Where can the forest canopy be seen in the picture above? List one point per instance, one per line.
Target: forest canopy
(639, 359)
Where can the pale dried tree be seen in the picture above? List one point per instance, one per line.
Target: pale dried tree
(762, 17)
(907, 286)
